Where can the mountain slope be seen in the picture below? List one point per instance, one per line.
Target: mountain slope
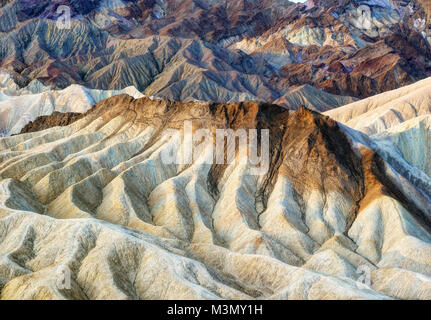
(312, 98)
(326, 208)
(396, 125)
(378, 113)
(413, 140)
(20, 106)
(224, 51)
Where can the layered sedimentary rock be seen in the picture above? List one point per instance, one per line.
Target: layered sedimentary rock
(413, 140)
(111, 198)
(20, 106)
(327, 220)
(312, 98)
(223, 51)
(55, 119)
(88, 50)
(399, 123)
(354, 48)
(381, 112)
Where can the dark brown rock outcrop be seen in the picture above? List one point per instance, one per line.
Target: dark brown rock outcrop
(56, 119)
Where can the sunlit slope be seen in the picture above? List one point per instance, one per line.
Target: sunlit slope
(96, 197)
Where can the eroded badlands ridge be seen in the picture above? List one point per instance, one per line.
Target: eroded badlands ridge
(19, 106)
(224, 51)
(95, 197)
